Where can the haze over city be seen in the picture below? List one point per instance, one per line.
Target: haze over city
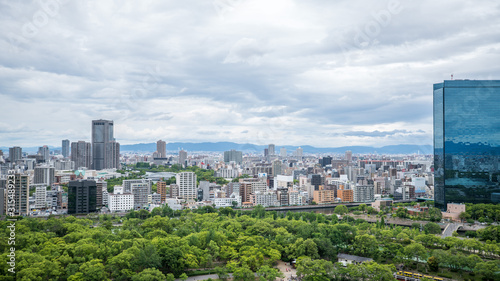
(320, 73)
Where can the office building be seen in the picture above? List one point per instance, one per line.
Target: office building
(161, 148)
(120, 202)
(44, 152)
(44, 175)
(233, 156)
(299, 153)
(183, 157)
(271, 150)
(15, 154)
(277, 168)
(348, 156)
(82, 197)
(283, 152)
(187, 185)
(127, 184)
(81, 154)
(65, 148)
(466, 142)
(266, 199)
(105, 149)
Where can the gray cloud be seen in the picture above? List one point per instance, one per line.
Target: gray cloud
(292, 72)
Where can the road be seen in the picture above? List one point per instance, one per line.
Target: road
(449, 229)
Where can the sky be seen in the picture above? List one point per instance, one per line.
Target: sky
(288, 72)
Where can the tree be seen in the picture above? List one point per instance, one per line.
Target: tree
(170, 277)
(432, 228)
(341, 210)
(243, 274)
(402, 213)
(222, 272)
(362, 207)
(433, 264)
(267, 273)
(365, 245)
(93, 270)
(435, 214)
(464, 216)
(490, 270)
(183, 277)
(149, 274)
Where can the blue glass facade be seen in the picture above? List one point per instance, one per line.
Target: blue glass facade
(466, 142)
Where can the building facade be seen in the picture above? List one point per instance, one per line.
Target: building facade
(82, 197)
(466, 142)
(81, 154)
(161, 148)
(105, 150)
(187, 185)
(233, 156)
(65, 148)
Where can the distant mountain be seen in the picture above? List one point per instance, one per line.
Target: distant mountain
(249, 148)
(224, 146)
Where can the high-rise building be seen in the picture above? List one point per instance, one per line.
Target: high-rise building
(44, 174)
(233, 156)
(81, 154)
(21, 194)
(283, 152)
(140, 190)
(101, 190)
(277, 168)
(161, 188)
(271, 150)
(82, 197)
(299, 153)
(65, 148)
(105, 150)
(466, 142)
(348, 155)
(15, 153)
(44, 152)
(187, 185)
(183, 155)
(161, 148)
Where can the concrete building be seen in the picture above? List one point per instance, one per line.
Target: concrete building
(182, 158)
(233, 156)
(15, 154)
(187, 185)
(363, 193)
(44, 174)
(174, 191)
(161, 188)
(345, 195)
(228, 202)
(65, 148)
(140, 190)
(294, 198)
(271, 150)
(120, 202)
(161, 148)
(265, 199)
(41, 196)
(21, 194)
(283, 152)
(127, 184)
(81, 154)
(323, 196)
(227, 173)
(45, 153)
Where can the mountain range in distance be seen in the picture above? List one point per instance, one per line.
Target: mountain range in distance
(252, 148)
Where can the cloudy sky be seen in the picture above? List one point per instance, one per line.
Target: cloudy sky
(289, 72)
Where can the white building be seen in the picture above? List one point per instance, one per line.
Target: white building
(120, 202)
(154, 198)
(281, 181)
(105, 197)
(187, 185)
(265, 199)
(294, 198)
(227, 202)
(174, 204)
(127, 184)
(227, 173)
(41, 196)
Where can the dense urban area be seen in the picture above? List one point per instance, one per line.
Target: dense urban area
(164, 215)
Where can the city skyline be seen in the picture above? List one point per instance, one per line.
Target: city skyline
(319, 73)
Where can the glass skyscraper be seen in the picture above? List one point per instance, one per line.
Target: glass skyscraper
(466, 142)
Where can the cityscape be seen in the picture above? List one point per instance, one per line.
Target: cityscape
(189, 176)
